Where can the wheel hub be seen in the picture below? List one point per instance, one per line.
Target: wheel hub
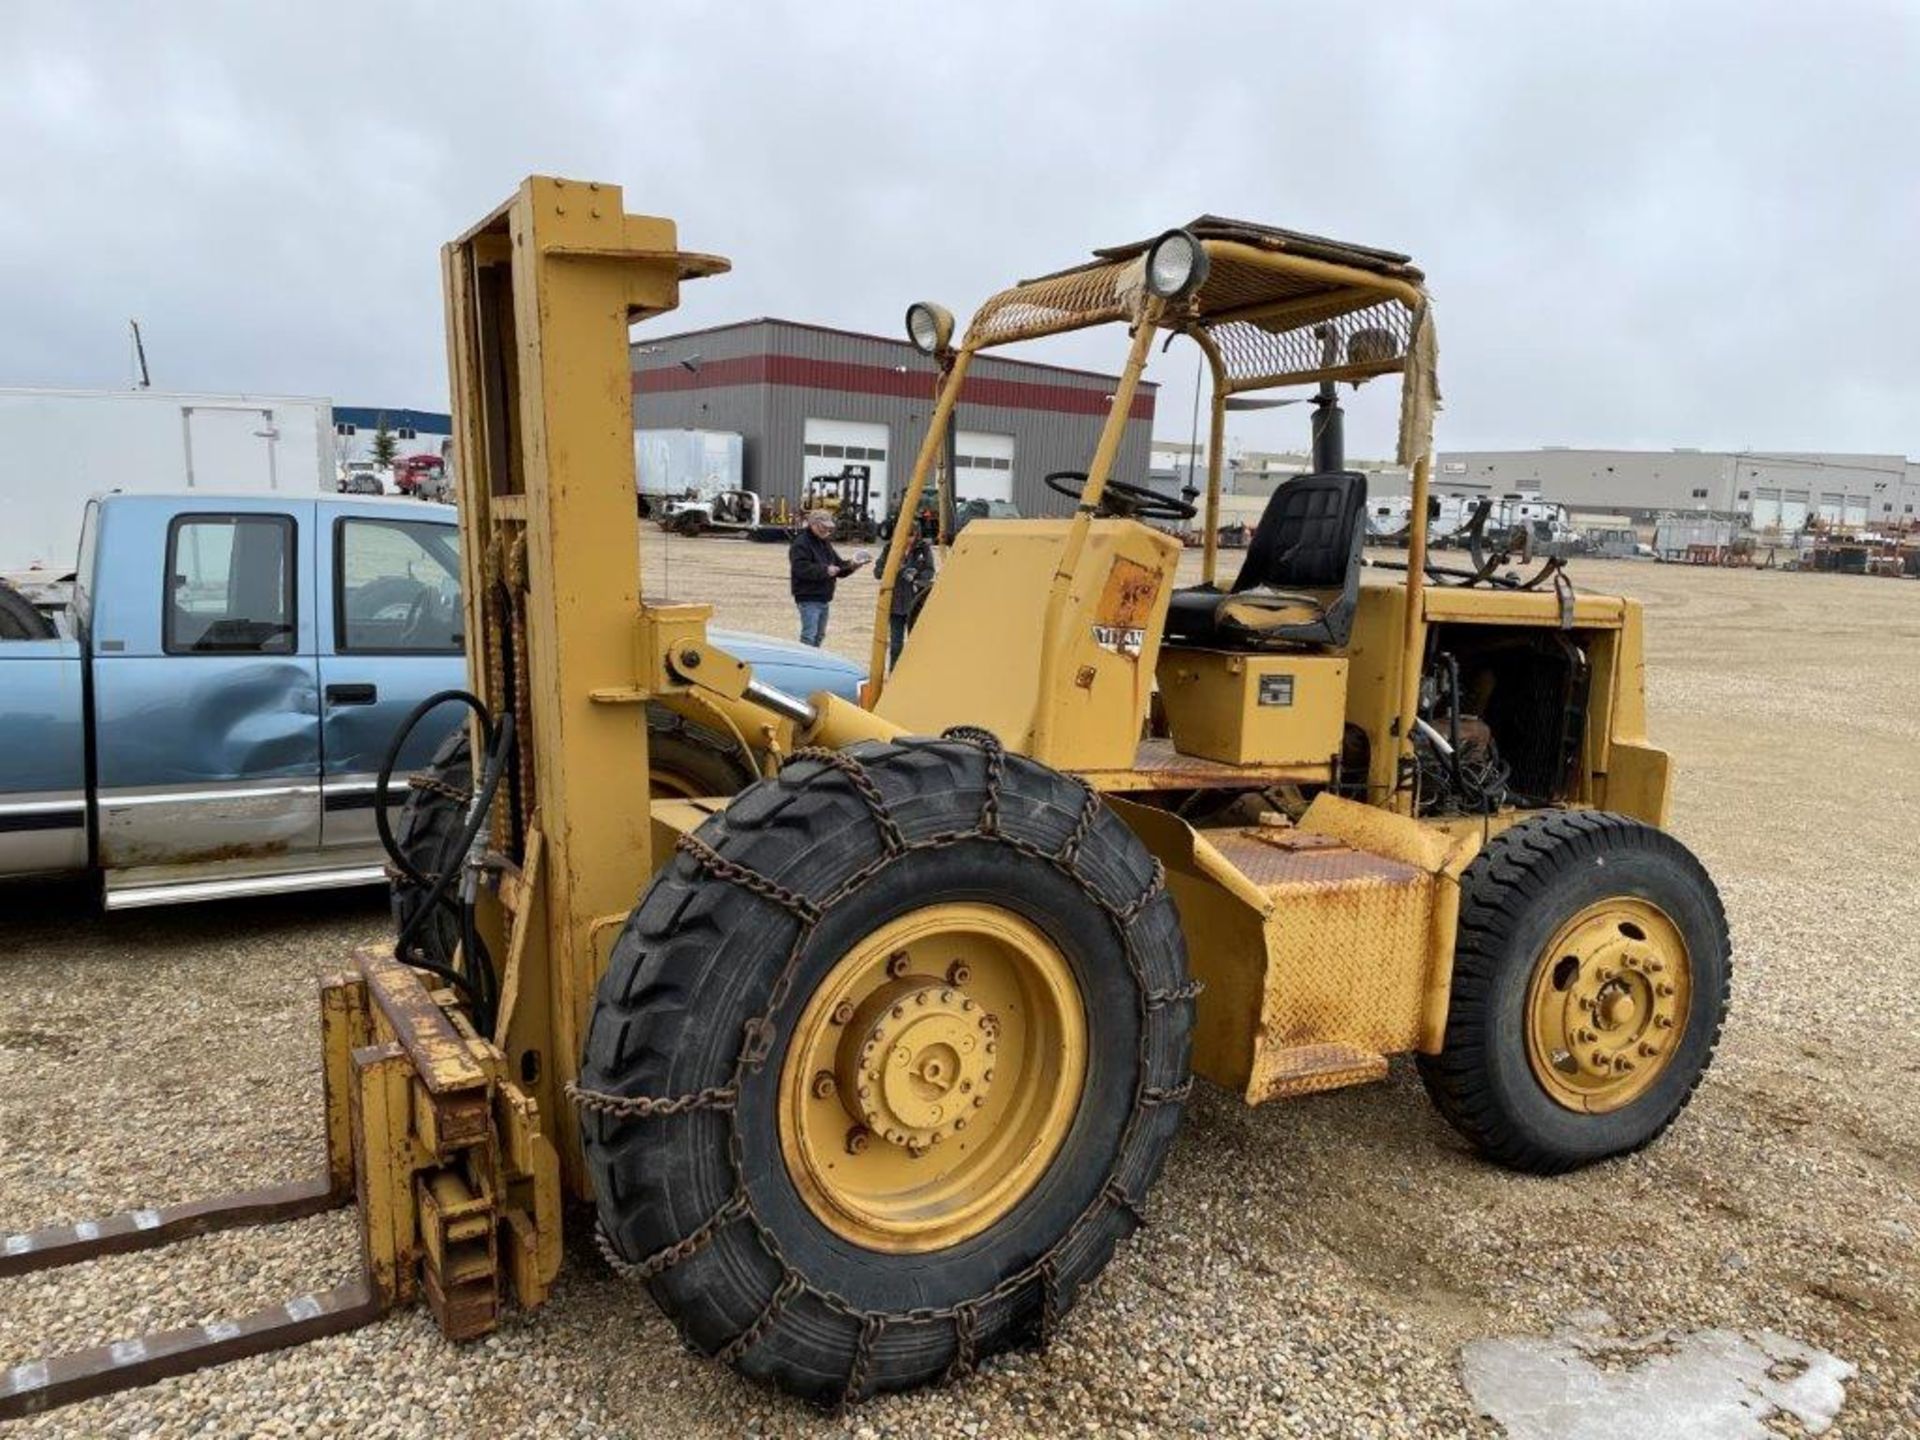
(921, 1063)
(932, 1077)
(1607, 1005)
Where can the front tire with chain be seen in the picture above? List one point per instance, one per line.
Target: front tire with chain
(688, 1128)
(1590, 981)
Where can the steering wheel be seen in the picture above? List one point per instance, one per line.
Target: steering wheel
(1122, 500)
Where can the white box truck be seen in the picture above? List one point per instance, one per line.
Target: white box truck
(686, 464)
(59, 447)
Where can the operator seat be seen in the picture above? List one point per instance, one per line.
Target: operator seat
(1308, 540)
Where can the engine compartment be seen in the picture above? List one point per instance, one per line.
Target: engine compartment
(1505, 711)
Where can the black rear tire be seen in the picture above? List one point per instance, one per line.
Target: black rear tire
(697, 966)
(20, 618)
(688, 759)
(1516, 894)
(682, 759)
(428, 833)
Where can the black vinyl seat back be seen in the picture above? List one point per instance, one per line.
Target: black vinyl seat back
(1305, 539)
(1308, 542)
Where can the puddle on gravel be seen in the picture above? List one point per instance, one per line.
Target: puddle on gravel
(1586, 1384)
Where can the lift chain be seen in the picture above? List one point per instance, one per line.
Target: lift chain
(1040, 1277)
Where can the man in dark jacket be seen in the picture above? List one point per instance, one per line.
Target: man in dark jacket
(813, 566)
(916, 578)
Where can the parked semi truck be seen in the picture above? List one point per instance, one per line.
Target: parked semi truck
(58, 447)
(202, 712)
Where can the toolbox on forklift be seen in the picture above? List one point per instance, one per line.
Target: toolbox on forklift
(867, 1069)
(1253, 708)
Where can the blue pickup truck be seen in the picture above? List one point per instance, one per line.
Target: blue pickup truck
(203, 709)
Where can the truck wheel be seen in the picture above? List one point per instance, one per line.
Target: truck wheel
(20, 618)
(430, 824)
(683, 760)
(963, 995)
(1590, 982)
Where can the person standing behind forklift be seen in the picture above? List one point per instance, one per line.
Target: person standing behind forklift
(916, 578)
(813, 568)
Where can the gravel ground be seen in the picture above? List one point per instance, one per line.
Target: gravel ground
(1313, 1268)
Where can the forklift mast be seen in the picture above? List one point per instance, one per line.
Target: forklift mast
(539, 299)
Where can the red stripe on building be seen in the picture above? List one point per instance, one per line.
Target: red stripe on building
(847, 377)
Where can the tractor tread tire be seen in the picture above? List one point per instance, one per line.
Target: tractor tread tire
(430, 826)
(1524, 867)
(697, 961)
(20, 618)
(431, 821)
(707, 760)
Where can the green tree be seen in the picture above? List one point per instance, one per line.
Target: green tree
(386, 449)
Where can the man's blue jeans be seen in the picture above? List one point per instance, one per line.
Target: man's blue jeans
(813, 621)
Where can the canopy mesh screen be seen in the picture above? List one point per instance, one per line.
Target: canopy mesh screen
(1087, 295)
(1271, 303)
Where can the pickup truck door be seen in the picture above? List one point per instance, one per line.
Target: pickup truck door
(391, 638)
(206, 712)
(43, 757)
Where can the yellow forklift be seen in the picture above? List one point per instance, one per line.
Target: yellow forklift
(866, 1069)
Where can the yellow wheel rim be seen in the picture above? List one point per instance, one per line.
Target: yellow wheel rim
(933, 1077)
(1607, 1005)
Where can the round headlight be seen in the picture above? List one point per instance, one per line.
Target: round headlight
(929, 327)
(1176, 265)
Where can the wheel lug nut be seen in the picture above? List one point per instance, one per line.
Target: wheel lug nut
(960, 1123)
(1649, 1050)
(857, 1139)
(896, 964)
(968, 1005)
(843, 1012)
(959, 973)
(1658, 967)
(921, 998)
(1665, 1022)
(823, 1085)
(978, 1101)
(1666, 989)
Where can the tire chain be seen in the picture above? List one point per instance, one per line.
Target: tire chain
(757, 1043)
(433, 786)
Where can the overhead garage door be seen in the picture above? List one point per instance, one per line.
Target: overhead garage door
(982, 466)
(1766, 510)
(830, 444)
(1856, 510)
(1833, 507)
(1793, 511)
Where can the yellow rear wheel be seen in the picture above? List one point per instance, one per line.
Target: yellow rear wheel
(932, 1077)
(1590, 979)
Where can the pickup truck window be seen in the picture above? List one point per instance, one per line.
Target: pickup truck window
(396, 587)
(229, 585)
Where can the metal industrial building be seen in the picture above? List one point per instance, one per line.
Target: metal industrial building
(1775, 490)
(416, 432)
(807, 399)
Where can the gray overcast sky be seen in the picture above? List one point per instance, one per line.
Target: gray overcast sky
(1644, 224)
